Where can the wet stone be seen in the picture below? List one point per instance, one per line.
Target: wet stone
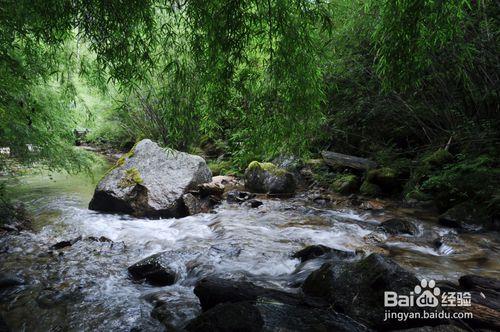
(10, 280)
(65, 244)
(155, 270)
(315, 251)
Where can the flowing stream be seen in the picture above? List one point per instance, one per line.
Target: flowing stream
(86, 286)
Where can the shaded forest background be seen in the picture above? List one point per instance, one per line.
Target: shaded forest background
(412, 84)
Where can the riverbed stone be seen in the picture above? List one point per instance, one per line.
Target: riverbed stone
(468, 216)
(396, 226)
(485, 301)
(266, 315)
(155, 270)
(150, 181)
(237, 196)
(357, 288)
(369, 189)
(385, 178)
(65, 243)
(253, 203)
(318, 250)
(267, 178)
(230, 305)
(345, 183)
(476, 282)
(10, 280)
(212, 291)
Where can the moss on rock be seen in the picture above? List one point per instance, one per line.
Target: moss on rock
(268, 178)
(268, 167)
(121, 161)
(418, 195)
(385, 178)
(438, 158)
(130, 178)
(369, 189)
(345, 183)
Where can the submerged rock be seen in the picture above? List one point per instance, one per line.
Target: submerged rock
(314, 251)
(10, 280)
(267, 178)
(212, 291)
(14, 217)
(150, 181)
(155, 270)
(397, 226)
(99, 239)
(65, 244)
(253, 203)
(236, 196)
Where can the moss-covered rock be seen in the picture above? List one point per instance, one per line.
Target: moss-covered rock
(268, 178)
(438, 158)
(345, 183)
(150, 181)
(418, 195)
(369, 189)
(468, 216)
(385, 178)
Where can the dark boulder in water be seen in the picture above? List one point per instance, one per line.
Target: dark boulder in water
(357, 289)
(155, 270)
(10, 280)
(314, 251)
(212, 291)
(267, 315)
(397, 226)
(242, 306)
(468, 217)
(238, 197)
(65, 244)
(253, 203)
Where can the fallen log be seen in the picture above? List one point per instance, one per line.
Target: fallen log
(335, 159)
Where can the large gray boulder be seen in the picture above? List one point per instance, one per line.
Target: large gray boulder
(150, 181)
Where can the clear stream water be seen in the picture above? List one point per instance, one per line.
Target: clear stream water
(86, 286)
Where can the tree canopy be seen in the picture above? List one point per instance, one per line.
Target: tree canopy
(265, 77)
